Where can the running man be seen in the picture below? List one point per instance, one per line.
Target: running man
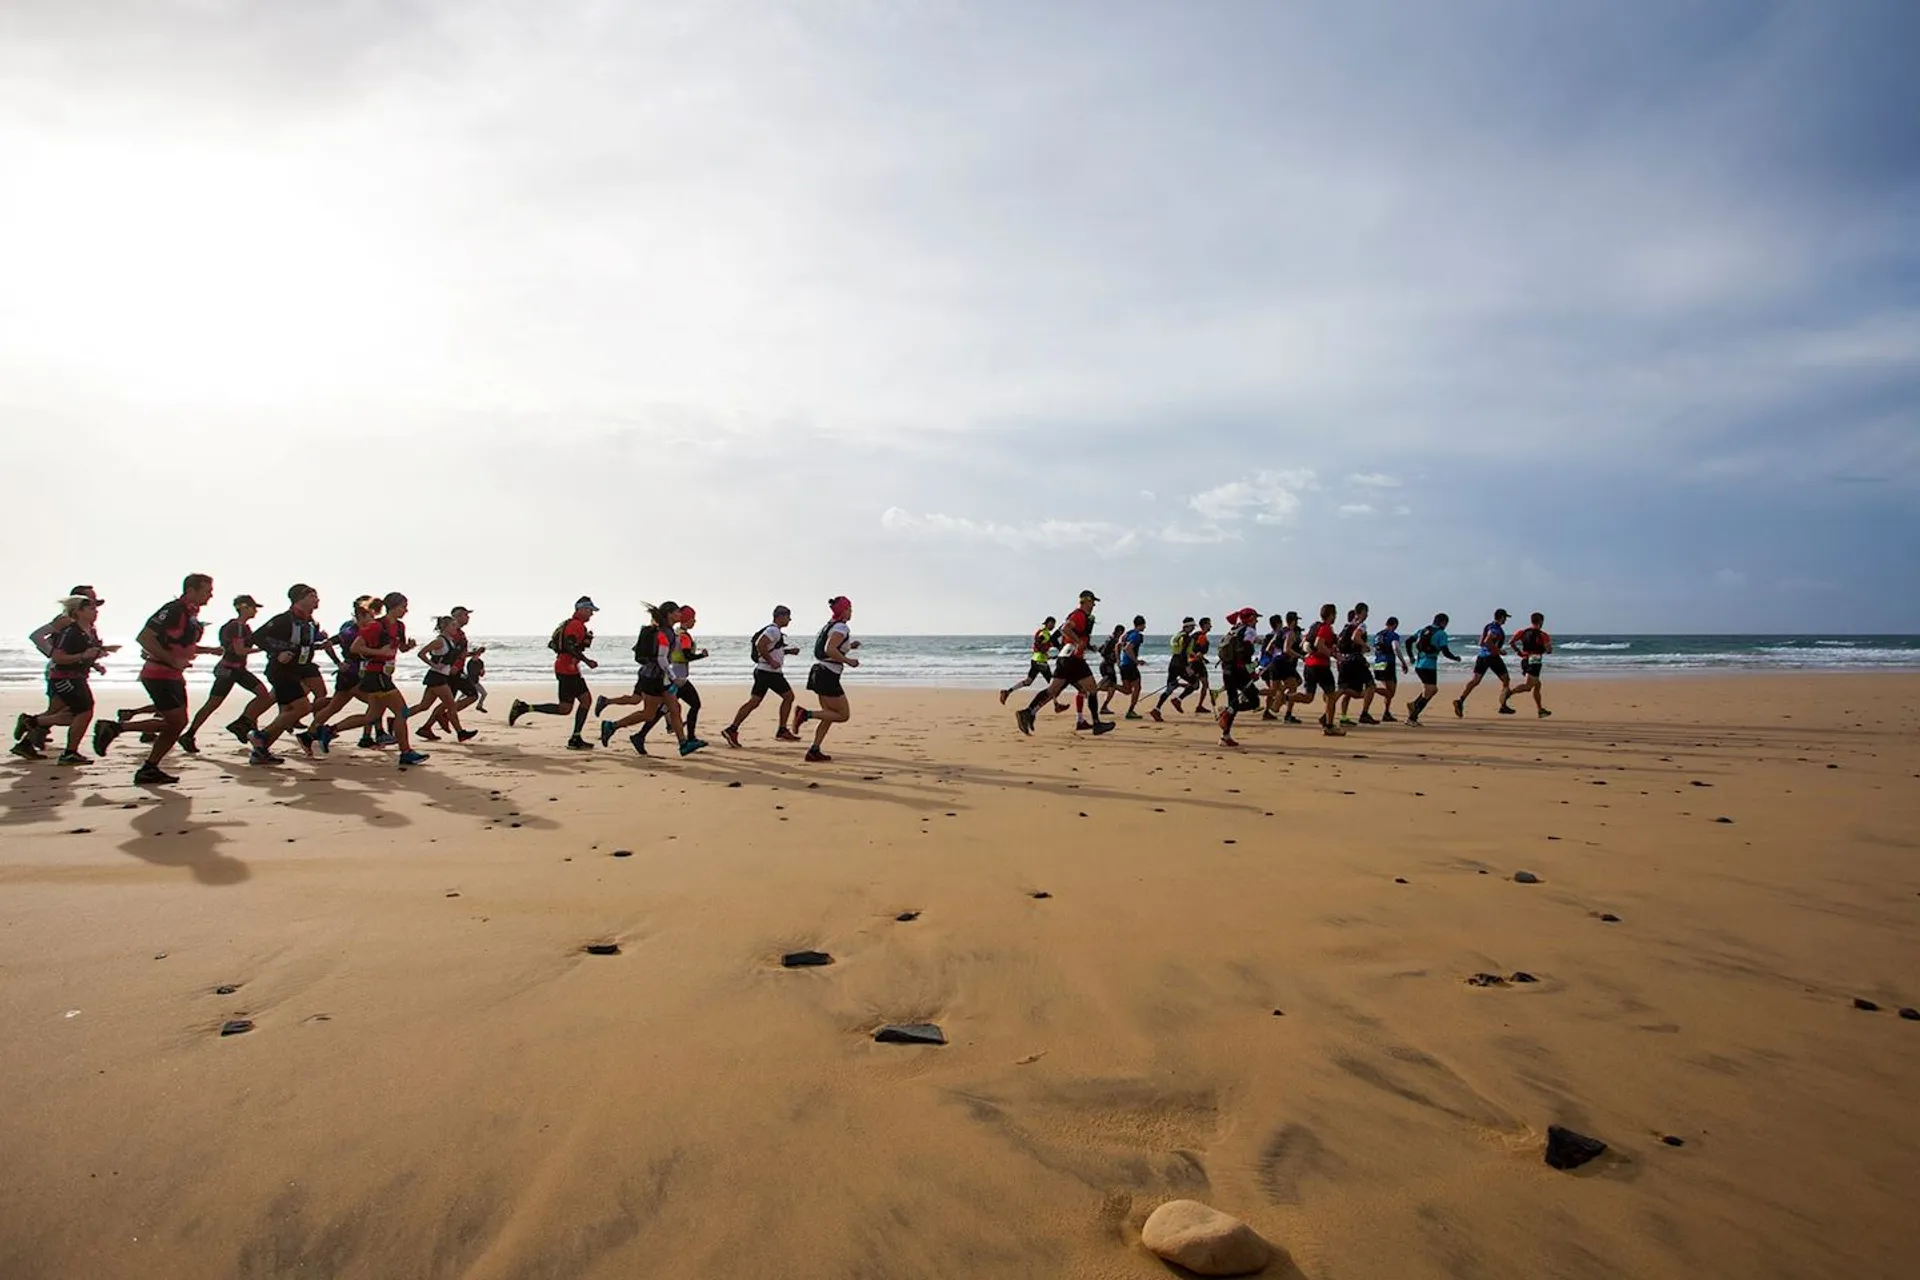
(832, 655)
(1176, 666)
(1130, 681)
(1388, 664)
(770, 651)
(654, 688)
(379, 646)
(169, 642)
(1425, 647)
(73, 654)
(1322, 645)
(346, 674)
(1493, 639)
(236, 646)
(290, 640)
(1356, 678)
(1071, 670)
(1533, 644)
(682, 653)
(1198, 676)
(1046, 641)
(570, 642)
(1237, 651)
(1283, 676)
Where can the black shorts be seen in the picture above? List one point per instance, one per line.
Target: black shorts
(346, 678)
(1284, 669)
(75, 695)
(308, 671)
(573, 688)
(1109, 674)
(1319, 680)
(1388, 676)
(824, 682)
(1129, 674)
(1429, 676)
(375, 683)
(288, 688)
(1530, 667)
(766, 682)
(1239, 686)
(1356, 677)
(651, 683)
(437, 680)
(1177, 671)
(1490, 662)
(1071, 671)
(1039, 669)
(166, 695)
(224, 678)
(463, 687)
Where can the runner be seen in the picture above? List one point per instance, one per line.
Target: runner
(1272, 649)
(463, 690)
(1176, 665)
(1109, 677)
(1493, 639)
(379, 646)
(1356, 678)
(41, 638)
(1388, 663)
(770, 651)
(681, 654)
(1198, 676)
(169, 642)
(445, 656)
(569, 642)
(1321, 645)
(236, 646)
(1046, 641)
(290, 640)
(1071, 670)
(1533, 644)
(73, 654)
(1283, 686)
(832, 655)
(476, 676)
(1238, 649)
(1425, 647)
(1130, 681)
(346, 675)
(654, 688)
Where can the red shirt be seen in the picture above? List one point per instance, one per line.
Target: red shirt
(1079, 625)
(1314, 657)
(382, 633)
(573, 634)
(177, 624)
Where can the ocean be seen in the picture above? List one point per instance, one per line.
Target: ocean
(986, 662)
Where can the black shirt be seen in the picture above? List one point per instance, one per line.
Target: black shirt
(285, 633)
(72, 640)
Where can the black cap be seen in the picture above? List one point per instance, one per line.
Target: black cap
(244, 600)
(1088, 595)
(1500, 613)
(300, 590)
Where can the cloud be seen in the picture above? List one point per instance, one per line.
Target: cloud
(1729, 579)
(1097, 536)
(1269, 497)
(1147, 494)
(1403, 510)
(1351, 509)
(1373, 480)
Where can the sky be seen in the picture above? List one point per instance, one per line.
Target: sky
(1606, 308)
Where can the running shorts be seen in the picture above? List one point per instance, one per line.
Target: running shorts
(166, 695)
(1109, 674)
(572, 688)
(766, 682)
(1490, 662)
(1388, 675)
(650, 683)
(1530, 667)
(437, 680)
(1039, 669)
(288, 689)
(463, 687)
(1319, 680)
(346, 678)
(76, 695)
(1429, 676)
(1129, 673)
(825, 683)
(1071, 671)
(224, 678)
(375, 683)
(1355, 677)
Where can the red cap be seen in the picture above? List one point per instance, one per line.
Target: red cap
(686, 615)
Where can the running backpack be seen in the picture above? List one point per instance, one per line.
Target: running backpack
(753, 642)
(1423, 642)
(1232, 649)
(820, 644)
(554, 642)
(646, 650)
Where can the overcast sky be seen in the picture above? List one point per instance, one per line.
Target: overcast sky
(1604, 308)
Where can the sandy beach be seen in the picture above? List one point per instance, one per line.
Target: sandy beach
(1164, 970)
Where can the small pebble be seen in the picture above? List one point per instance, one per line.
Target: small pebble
(1040, 894)
(603, 948)
(1725, 821)
(907, 917)
(1399, 879)
(1523, 976)
(236, 1026)
(805, 959)
(623, 853)
(1910, 1014)
(1865, 1006)
(226, 990)
(1525, 877)
(732, 785)
(1608, 917)
(1672, 1141)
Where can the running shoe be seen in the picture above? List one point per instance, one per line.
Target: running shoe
(786, 735)
(103, 735)
(730, 736)
(1228, 742)
(123, 715)
(1178, 707)
(1003, 696)
(800, 716)
(1135, 715)
(426, 731)
(467, 735)
(1024, 719)
(323, 737)
(366, 742)
(1506, 710)
(71, 756)
(27, 751)
(408, 758)
(1460, 708)
(607, 728)
(260, 756)
(1386, 717)
(188, 745)
(1366, 718)
(1414, 721)
(1155, 716)
(149, 775)
(639, 743)
(690, 746)
(600, 706)
(383, 739)
(1346, 722)
(240, 729)
(1081, 726)
(1104, 726)
(1268, 715)
(1544, 713)
(816, 756)
(517, 710)
(23, 726)
(1291, 718)
(578, 743)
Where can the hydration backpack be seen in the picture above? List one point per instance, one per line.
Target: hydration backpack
(1424, 641)
(753, 642)
(646, 650)
(820, 644)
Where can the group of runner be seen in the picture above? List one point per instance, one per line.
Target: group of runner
(297, 698)
(1323, 662)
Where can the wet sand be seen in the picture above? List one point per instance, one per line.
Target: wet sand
(1226, 993)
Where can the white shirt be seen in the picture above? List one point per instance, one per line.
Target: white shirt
(776, 653)
(845, 634)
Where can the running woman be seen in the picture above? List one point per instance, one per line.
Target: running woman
(1321, 646)
(1046, 640)
(379, 646)
(290, 640)
(1176, 665)
(236, 646)
(346, 673)
(1130, 681)
(1533, 644)
(1388, 664)
(832, 655)
(1071, 669)
(445, 656)
(570, 642)
(73, 654)
(770, 651)
(1425, 647)
(681, 655)
(1493, 639)
(169, 642)
(463, 691)
(42, 639)
(1237, 651)
(654, 688)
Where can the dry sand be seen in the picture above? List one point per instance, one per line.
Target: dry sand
(442, 1084)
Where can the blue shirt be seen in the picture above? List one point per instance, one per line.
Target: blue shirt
(1499, 634)
(1429, 661)
(1386, 649)
(1130, 647)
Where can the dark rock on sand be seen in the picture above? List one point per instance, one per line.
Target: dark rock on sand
(236, 1026)
(1486, 980)
(602, 948)
(1865, 1006)
(1525, 877)
(1522, 976)
(805, 959)
(1042, 893)
(227, 989)
(1724, 821)
(731, 785)
(1607, 917)
(910, 1033)
(1569, 1150)
(1399, 879)
(907, 917)
(1910, 1014)
(1672, 1141)
(623, 853)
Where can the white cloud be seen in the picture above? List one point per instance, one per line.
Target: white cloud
(1096, 535)
(1350, 509)
(1270, 497)
(1373, 480)
(1147, 494)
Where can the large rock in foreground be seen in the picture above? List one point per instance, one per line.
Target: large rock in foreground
(1205, 1241)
